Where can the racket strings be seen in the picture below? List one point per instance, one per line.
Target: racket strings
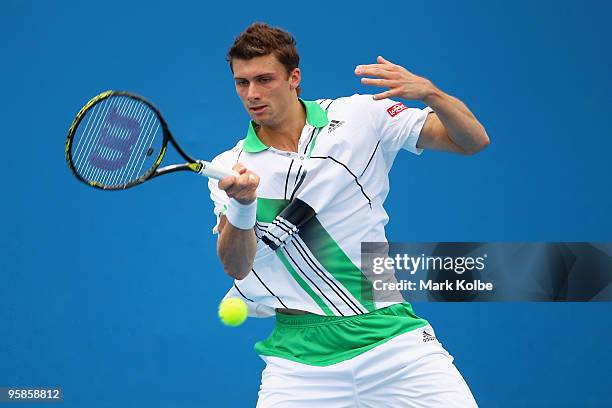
(114, 178)
(92, 136)
(100, 151)
(118, 142)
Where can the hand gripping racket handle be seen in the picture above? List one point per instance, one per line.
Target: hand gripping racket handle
(210, 170)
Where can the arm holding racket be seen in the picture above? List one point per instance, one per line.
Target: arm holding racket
(237, 244)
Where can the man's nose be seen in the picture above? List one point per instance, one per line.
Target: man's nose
(253, 91)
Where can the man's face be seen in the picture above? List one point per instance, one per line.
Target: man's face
(265, 88)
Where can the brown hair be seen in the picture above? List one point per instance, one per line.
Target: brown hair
(259, 39)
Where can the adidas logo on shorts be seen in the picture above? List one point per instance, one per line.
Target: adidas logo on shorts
(428, 337)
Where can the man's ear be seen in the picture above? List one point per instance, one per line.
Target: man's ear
(295, 77)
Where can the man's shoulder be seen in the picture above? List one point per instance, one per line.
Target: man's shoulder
(343, 100)
(229, 156)
(353, 103)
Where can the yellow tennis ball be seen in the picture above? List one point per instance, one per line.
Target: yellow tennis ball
(233, 311)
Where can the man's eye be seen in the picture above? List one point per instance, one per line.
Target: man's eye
(265, 80)
(241, 83)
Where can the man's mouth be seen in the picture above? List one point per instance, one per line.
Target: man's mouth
(257, 109)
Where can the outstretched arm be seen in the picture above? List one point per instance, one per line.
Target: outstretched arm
(452, 127)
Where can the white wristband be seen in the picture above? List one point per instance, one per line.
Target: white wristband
(241, 216)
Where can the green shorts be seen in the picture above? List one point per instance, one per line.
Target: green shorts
(324, 340)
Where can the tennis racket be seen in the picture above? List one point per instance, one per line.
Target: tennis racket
(118, 140)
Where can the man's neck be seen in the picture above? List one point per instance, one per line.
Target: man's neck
(286, 135)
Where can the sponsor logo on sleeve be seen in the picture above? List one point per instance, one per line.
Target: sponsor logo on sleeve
(396, 109)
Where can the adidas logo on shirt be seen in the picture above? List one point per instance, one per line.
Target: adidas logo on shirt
(334, 124)
(428, 337)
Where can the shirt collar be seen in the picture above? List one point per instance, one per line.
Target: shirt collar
(315, 116)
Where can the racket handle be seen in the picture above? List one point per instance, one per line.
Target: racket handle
(210, 170)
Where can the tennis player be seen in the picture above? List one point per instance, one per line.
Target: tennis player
(313, 180)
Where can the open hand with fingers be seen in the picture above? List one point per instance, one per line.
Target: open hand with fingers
(401, 82)
(242, 188)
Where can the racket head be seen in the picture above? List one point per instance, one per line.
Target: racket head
(116, 141)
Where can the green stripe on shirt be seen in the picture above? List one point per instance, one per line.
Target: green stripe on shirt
(327, 252)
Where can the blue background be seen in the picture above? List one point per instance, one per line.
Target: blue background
(113, 296)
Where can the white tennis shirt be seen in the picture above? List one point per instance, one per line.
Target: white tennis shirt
(316, 206)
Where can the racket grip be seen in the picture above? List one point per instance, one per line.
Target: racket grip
(210, 170)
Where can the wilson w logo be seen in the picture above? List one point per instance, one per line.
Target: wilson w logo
(117, 137)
